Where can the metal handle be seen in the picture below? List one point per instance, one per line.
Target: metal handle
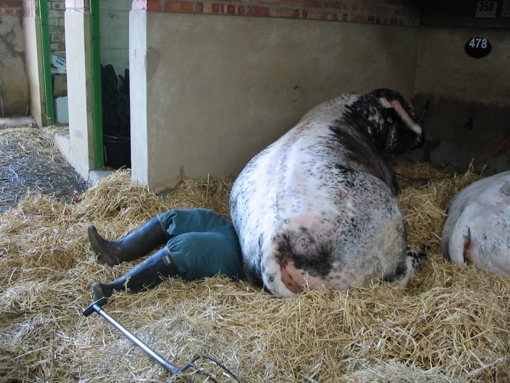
(97, 307)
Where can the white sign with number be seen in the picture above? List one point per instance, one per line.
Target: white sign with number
(486, 9)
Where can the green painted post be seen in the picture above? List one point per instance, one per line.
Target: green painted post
(96, 84)
(46, 62)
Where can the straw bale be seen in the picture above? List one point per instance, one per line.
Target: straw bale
(451, 325)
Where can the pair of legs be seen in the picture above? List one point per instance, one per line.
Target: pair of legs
(198, 243)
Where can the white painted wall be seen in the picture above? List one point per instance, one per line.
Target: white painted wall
(33, 62)
(79, 92)
(14, 86)
(211, 91)
(138, 87)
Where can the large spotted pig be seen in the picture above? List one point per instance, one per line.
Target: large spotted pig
(477, 229)
(318, 206)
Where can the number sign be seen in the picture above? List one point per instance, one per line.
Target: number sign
(478, 47)
(486, 9)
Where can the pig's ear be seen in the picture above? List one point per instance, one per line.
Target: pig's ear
(405, 117)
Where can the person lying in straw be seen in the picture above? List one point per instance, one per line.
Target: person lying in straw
(198, 243)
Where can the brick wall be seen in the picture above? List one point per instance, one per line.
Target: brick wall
(11, 8)
(389, 12)
(56, 22)
(14, 83)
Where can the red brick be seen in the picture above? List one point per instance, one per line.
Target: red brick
(179, 6)
(239, 9)
(367, 8)
(312, 3)
(319, 15)
(383, 10)
(231, 9)
(11, 4)
(282, 12)
(154, 5)
(333, 5)
(394, 12)
(257, 11)
(357, 18)
(289, 3)
(353, 7)
(205, 7)
(333, 16)
(328, 16)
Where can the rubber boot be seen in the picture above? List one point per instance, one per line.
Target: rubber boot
(136, 244)
(146, 275)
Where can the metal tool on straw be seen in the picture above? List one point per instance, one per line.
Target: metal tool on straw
(97, 307)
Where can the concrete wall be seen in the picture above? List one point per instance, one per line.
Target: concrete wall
(80, 91)
(208, 91)
(469, 98)
(220, 88)
(461, 13)
(14, 84)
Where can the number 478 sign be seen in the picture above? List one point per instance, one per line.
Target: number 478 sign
(478, 47)
(486, 9)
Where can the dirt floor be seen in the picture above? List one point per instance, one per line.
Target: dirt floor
(30, 162)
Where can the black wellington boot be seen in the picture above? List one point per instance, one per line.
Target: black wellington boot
(136, 244)
(146, 275)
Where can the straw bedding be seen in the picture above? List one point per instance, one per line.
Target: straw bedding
(452, 325)
(29, 160)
